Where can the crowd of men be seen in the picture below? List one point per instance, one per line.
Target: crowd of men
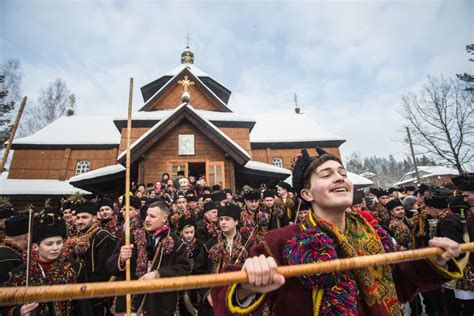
(181, 227)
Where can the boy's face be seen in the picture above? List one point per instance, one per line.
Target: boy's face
(188, 233)
(330, 187)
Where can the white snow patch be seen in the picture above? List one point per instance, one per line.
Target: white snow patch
(112, 169)
(37, 187)
(75, 130)
(208, 115)
(425, 172)
(355, 179)
(258, 165)
(288, 127)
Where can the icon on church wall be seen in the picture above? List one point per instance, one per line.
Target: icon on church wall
(185, 144)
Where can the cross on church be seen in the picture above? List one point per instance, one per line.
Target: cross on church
(186, 83)
(187, 40)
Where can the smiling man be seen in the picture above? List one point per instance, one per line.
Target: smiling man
(330, 233)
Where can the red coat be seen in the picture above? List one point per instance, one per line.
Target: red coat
(293, 299)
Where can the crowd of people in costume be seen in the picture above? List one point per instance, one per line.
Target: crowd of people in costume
(181, 227)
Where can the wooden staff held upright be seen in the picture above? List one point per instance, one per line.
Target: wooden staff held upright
(127, 195)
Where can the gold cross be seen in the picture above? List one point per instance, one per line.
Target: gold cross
(186, 83)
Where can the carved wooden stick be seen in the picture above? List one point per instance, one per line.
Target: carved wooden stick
(19, 295)
(127, 196)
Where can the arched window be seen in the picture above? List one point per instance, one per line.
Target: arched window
(82, 166)
(277, 162)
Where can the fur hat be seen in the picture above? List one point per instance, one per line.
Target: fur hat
(252, 195)
(464, 182)
(438, 197)
(230, 210)
(186, 221)
(16, 226)
(285, 186)
(105, 202)
(46, 226)
(393, 204)
(210, 206)
(268, 193)
(87, 207)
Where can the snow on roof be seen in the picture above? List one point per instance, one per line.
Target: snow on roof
(170, 113)
(37, 187)
(257, 165)
(355, 179)
(425, 172)
(208, 115)
(75, 130)
(278, 126)
(112, 169)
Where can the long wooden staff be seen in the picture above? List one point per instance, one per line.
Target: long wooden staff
(19, 295)
(12, 135)
(127, 196)
(28, 247)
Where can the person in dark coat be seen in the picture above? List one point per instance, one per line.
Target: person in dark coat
(207, 227)
(278, 219)
(167, 257)
(13, 247)
(91, 247)
(138, 260)
(376, 290)
(49, 267)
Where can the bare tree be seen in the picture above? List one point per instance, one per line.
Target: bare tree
(53, 102)
(10, 87)
(441, 120)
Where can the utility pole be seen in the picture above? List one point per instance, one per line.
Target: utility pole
(413, 156)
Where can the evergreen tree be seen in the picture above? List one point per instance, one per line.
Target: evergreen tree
(10, 82)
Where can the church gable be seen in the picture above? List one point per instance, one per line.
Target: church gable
(169, 96)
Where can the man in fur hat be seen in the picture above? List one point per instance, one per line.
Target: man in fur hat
(330, 233)
(91, 247)
(254, 221)
(278, 218)
(399, 228)
(285, 201)
(13, 247)
(208, 226)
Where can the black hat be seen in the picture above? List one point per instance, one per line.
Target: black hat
(52, 211)
(67, 205)
(252, 195)
(7, 213)
(216, 187)
(180, 195)
(209, 206)
(239, 198)
(46, 226)
(16, 226)
(268, 193)
(378, 192)
(144, 198)
(358, 197)
(192, 198)
(180, 173)
(305, 205)
(150, 186)
(230, 210)
(392, 189)
(421, 189)
(218, 196)
(438, 197)
(464, 182)
(457, 205)
(87, 207)
(135, 202)
(393, 204)
(302, 163)
(105, 202)
(410, 188)
(227, 191)
(285, 186)
(206, 196)
(186, 221)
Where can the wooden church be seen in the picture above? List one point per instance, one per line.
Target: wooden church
(185, 123)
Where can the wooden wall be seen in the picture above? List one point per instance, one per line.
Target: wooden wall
(137, 132)
(59, 164)
(172, 98)
(266, 155)
(239, 135)
(157, 159)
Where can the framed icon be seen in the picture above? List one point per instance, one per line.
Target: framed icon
(185, 144)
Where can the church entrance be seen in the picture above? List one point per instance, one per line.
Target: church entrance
(197, 169)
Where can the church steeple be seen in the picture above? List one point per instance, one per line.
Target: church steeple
(187, 57)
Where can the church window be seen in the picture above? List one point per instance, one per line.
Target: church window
(82, 166)
(277, 162)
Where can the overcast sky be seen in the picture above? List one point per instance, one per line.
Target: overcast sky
(348, 61)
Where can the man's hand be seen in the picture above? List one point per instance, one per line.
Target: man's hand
(451, 249)
(125, 253)
(150, 275)
(262, 277)
(26, 309)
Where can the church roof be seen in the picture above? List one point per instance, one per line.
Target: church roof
(214, 87)
(38, 187)
(76, 131)
(185, 110)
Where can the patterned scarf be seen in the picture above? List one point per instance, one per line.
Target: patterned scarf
(19, 251)
(212, 228)
(59, 271)
(110, 225)
(79, 245)
(222, 255)
(319, 241)
(140, 241)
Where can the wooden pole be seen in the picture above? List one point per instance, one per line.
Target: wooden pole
(127, 196)
(19, 295)
(12, 135)
(28, 246)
